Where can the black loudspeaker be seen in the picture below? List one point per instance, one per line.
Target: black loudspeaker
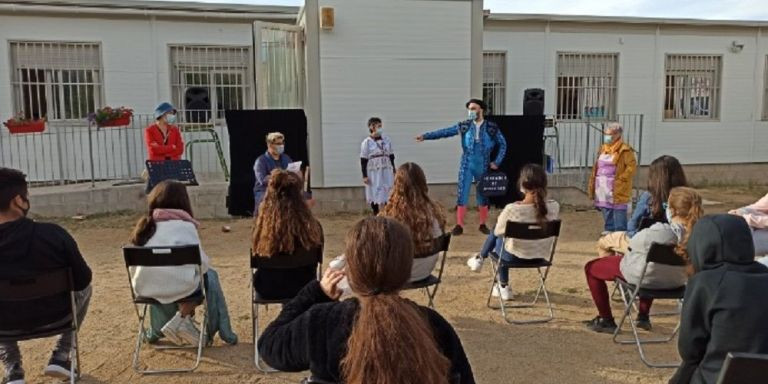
(525, 145)
(197, 105)
(247, 141)
(533, 102)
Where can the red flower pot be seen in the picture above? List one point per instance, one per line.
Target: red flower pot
(118, 122)
(32, 127)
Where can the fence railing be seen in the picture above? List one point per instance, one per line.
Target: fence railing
(76, 152)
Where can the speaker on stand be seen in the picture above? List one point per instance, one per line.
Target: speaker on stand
(533, 102)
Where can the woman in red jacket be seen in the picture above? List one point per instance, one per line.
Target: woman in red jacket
(163, 138)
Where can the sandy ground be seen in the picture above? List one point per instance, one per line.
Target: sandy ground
(561, 351)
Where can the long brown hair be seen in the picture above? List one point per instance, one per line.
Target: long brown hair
(533, 178)
(410, 204)
(686, 203)
(168, 195)
(285, 221)
(664, 174)
(391, 339)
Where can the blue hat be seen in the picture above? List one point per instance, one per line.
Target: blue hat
(163, 108)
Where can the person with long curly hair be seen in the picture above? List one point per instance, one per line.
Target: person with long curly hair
(410, 204)
(375, 337)
(285, 224)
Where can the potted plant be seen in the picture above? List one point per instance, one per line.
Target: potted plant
(112, 117)
(21, 124)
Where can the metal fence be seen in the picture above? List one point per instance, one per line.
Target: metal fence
(572, 146)
(76, 152)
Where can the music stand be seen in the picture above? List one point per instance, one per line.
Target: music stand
(179, 170)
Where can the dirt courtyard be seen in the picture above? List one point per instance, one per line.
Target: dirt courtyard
(561, 351)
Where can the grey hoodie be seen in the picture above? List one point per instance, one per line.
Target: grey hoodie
(724, 308)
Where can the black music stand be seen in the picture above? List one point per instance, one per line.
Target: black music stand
(179, 170)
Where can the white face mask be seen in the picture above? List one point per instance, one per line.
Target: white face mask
(668, 213)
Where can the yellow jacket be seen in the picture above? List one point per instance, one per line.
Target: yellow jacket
(626, 165)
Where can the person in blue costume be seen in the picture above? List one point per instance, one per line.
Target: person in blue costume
(478, 139)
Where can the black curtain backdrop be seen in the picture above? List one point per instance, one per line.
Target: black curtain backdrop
(248, 130)
(525, 144)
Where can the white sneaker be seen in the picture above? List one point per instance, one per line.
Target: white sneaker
(171, 329)
(475, 263)
(188, 331)
(506, 293)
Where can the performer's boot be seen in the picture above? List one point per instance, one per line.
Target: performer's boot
(482, 215)
(461, 211)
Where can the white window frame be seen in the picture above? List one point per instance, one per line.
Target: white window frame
(66, 73)
(495, 82)
(685, 98)
(765, 90)
(587, 87)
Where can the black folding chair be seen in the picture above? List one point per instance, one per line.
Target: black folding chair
(174, 256)
(179, 170)
(48, 284)
(527, 231)
(299, 259)
(440, 247)
(660, 254)
(744, 368)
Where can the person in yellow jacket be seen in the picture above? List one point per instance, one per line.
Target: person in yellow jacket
(611, 183)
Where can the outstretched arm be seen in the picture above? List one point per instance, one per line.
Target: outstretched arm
(440, 133)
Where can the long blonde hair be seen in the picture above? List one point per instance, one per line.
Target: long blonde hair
(686, 204)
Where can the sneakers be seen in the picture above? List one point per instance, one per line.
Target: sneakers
(484, 229)
(601, 325)
(188, 331)
(58, 368)
(170, 329)
(457, 230)
(475, 263)
(504, 291)
(15, 375)
(643, 322)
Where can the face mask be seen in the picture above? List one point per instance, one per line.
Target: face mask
(170, 119)
(523, 191)
(472, 115)
(280, 149)
(25, 211)
(607, 139)
(668, 212)
(377, 132)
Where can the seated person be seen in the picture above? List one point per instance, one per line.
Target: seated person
(724, 308)
(169, 222)
(664, 174)
(683, 210)
(284, 225)
(534, 208)
(374, 337)
(756, 216)
(410, 204)
(274, 158)
(27, 248)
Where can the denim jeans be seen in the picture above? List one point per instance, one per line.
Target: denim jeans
(496, 244)
(615, 219)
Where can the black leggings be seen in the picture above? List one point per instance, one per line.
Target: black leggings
(375, 208)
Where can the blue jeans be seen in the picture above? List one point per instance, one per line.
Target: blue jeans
(496, 244)
(615, 219)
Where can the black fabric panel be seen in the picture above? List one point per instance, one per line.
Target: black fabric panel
(248, 130)
(525, 144)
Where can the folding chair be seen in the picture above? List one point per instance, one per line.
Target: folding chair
(439, 246)
(660, 254)
(527, 231)
(299, 259)
(48, 284)
(744, 368)
(174, 256)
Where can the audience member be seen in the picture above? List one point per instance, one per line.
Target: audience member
(756, 216)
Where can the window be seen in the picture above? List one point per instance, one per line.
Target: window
(586, 85)
(495, 81)
(59, 81)
(765, 90)
(208, 80)
(692, 87)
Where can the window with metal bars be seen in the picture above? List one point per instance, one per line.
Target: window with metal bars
(586, 85)
(56, 80)
(208, 80)
(495, 81)
(692, 87)
(765, 90)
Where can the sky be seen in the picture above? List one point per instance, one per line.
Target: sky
(696, 9)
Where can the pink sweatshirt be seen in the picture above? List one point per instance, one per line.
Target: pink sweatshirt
(756, 214)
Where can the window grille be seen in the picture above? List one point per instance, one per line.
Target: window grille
(692, 87)
(495, 82)
(208, 80)
(56, 80)
(586, 85)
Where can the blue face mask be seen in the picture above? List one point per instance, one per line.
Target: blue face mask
(170, 119)
(280, 149)
(472, 115)
(607, 139)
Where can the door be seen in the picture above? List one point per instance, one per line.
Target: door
(279, 58)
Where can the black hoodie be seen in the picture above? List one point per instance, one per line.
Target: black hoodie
(28, 248)
(725, 300)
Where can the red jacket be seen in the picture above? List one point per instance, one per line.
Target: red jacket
(167, 148)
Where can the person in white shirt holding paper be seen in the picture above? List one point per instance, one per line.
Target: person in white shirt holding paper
(377, 161)
(274, 158)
